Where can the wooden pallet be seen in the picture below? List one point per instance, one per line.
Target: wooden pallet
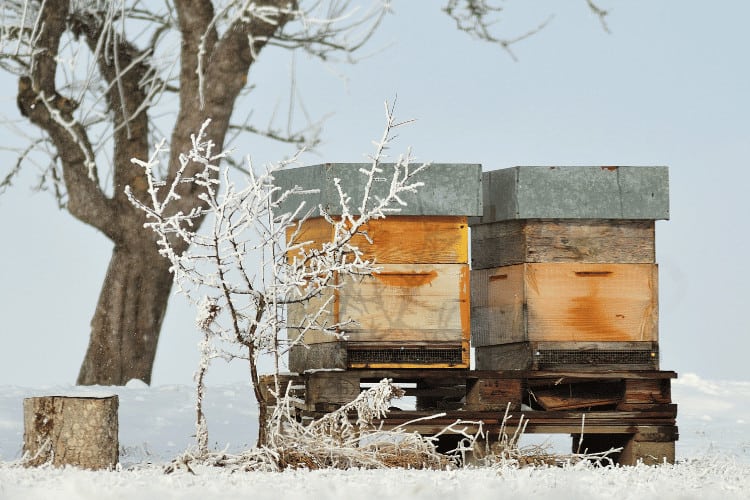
(628, 409)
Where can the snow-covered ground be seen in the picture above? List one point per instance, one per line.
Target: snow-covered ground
(156, 424)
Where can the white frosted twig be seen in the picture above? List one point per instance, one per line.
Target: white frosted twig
(247, 225)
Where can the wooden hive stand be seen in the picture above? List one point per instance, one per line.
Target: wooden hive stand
(563, 314)
(626, 409)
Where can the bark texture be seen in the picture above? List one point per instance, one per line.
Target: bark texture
(82, 432)
(128, 318)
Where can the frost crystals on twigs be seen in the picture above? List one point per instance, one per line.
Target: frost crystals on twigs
(333, 441)
(240, 272)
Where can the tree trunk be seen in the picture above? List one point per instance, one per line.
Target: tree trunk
(262, 424)
(78, 431)
(126, 325)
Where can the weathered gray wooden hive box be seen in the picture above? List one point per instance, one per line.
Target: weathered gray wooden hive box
(415, 312)
(564, 272)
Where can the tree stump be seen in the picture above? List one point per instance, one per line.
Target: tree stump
(65, 430)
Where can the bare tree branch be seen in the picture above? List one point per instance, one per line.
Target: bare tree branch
(600, 13)
(124, 69)
(476, 17)
(40, 101)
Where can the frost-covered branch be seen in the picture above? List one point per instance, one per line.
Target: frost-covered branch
(334, 440)
(250, 262)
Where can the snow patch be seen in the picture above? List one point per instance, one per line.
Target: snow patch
(136, 383)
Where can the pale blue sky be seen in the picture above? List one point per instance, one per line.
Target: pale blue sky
(670, 86)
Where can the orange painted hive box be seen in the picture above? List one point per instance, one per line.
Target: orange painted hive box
(565, 302)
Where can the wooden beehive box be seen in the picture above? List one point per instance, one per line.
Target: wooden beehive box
(559, 315)
(564, 273)
(505, 243)
(563, 302)
(415, 311)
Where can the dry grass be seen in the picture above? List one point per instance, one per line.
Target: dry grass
(340, 440)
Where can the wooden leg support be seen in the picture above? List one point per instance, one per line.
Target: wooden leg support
(647, 452)
(649, 445)
(599, 443)
(327, 391)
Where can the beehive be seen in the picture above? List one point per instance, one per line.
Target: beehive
(564, 272)
(415, 311)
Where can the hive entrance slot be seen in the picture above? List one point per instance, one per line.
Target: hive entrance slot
(410, 355)
(555, 357)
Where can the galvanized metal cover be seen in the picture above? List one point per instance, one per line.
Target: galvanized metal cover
(449, 189)
(575, 193)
